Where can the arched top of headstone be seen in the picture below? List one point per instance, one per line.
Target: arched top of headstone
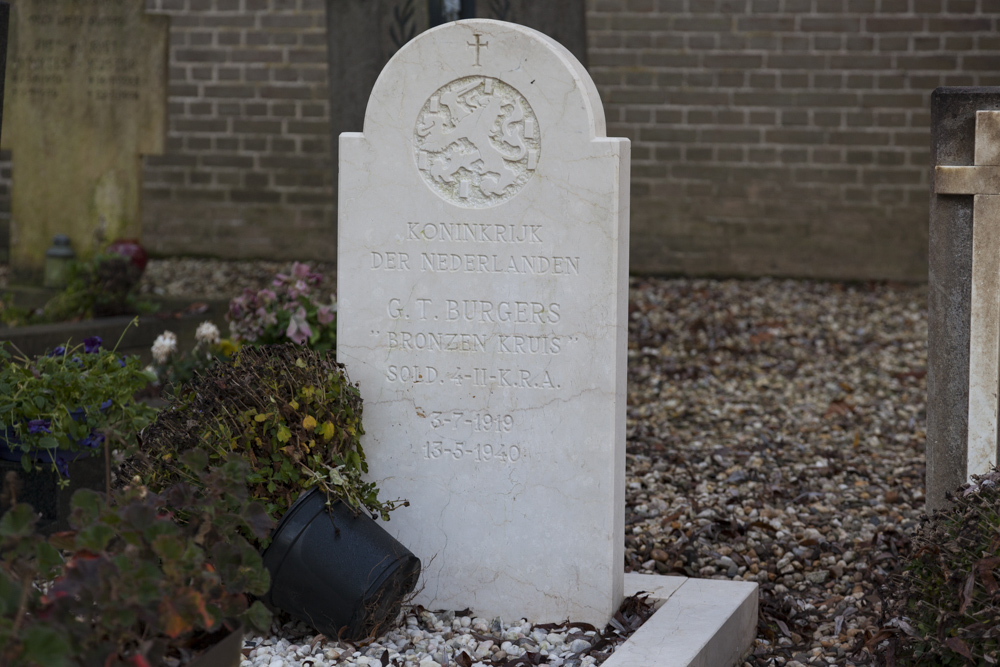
(522, 59)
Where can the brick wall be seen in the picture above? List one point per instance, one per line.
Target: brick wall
(247, 171)
(786, 137)
(781, 137)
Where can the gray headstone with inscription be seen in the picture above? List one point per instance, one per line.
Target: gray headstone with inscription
(482, 287)
(86, 96)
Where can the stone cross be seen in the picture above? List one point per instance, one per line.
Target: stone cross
(482, 288)
(982, 180)
(86, 97)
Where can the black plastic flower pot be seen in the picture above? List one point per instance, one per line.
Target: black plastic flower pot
(339, 571)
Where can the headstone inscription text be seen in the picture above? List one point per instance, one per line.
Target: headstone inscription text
(482, 283)
(86, 96)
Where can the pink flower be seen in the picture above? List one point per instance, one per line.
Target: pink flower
(298, 328)
(325, 314)
(300, 271)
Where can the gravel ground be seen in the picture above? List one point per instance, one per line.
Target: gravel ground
(775, 434)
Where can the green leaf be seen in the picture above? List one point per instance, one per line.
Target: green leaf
(95, 538)
(196, 459)
(48, 442)
(10, 595)
(284, 435)
(19, 521)
(85, 506)
(46, 647)
(49, 557)
(257, 616)
(168, 547)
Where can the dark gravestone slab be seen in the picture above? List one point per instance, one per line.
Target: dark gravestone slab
(362, 35)
(953, 123)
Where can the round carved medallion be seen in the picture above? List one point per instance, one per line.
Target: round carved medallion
(477, 142)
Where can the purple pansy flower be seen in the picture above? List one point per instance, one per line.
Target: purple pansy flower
(62, 466)
(58, 352)
(36, 426)
(93, 440)
(92, 344)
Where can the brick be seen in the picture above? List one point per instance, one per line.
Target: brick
(927, 62)
(256, 126)
(256, 56)
(227, 161)
(855, 62)
(823, 118)
(730, 136)
(286, 92)
(797, 61)
(784, 136)
(893, 24)
(891, 43)
(201, 125)
(755, 23)
(733, 61)
(255, 196)
(959, 42)
(198, 56)
(701, 23)
(827, 42)
(230, 91)
(951, 24)
(668, 134)
(838, 24)
(989, 63)
(702, 41)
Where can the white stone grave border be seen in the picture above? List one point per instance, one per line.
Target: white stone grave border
(699, 623)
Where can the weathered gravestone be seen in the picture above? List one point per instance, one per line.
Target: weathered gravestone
(963, 364)
(482, 286)
(363, 34)
(86, 96)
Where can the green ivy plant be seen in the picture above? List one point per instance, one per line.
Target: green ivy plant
(75, 399)
(290, 411)
(137, 586)
(103, 286)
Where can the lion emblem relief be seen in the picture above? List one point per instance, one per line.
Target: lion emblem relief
(477, 142)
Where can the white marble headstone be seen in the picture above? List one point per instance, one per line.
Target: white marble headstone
(482, 291)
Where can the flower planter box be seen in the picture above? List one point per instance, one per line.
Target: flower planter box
(37, 339)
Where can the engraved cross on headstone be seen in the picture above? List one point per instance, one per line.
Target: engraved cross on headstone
(478, 45)
(86, 96)
(982, 180)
